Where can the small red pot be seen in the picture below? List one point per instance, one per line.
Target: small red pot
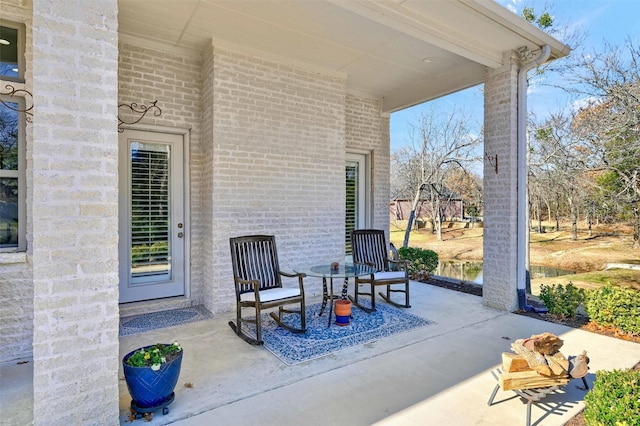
(343, 312)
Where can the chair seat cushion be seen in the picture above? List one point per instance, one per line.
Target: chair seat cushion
(391, 275)
(271, 294)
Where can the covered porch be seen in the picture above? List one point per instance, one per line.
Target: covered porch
(439, 374)
(264, 104)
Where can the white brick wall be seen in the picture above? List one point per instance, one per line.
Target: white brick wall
(500, 190)
(278, 163)
(75, 194)
(203, 234)
(174, 80)
(368, 131)
(16, 311)
(267, 157)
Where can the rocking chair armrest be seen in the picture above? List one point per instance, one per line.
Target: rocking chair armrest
(401, 263)
(293, 275)
(288, 274)
(255, 284)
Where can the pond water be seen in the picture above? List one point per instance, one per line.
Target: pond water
(472, 271)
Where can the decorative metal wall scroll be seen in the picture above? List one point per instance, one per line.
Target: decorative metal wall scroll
(12, 91)
(138, 109)
(142, 110)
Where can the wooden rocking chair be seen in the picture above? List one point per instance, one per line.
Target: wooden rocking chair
(258, 284)
(370, 247)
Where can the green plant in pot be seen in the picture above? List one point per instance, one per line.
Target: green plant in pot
(151, 373)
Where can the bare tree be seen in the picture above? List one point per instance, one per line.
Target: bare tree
(609, 123)
(441, 143)
(561, 160)
(468, 186)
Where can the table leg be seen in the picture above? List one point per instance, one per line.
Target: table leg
(325, 296)
(330, 301)
(345, 287)
(329, 297)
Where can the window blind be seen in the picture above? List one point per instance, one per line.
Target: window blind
(150, 238)
(351, 207)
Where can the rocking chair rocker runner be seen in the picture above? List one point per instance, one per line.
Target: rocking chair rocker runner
(258, 284)
(370, 247)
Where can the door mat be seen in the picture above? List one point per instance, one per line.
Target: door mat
(145, 322)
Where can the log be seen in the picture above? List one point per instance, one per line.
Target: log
(547, 365)
(535, 360)
(558, 364)
(514, 362)
(529, 380)
(545, 343)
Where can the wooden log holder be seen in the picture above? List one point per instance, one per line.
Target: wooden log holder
(532, 375)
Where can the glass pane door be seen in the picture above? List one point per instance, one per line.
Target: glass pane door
(150, 215)
(152, 227)
(355, 187)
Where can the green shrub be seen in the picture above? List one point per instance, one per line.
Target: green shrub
(139, 254)
(420, 261)
(615, 306)
(614, 399)
(562, 300)
(160, 250)
(143, 253)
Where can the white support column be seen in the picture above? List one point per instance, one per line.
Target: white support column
(74, 198)
(500, 187)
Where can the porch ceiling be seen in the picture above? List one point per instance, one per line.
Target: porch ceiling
(380, 46)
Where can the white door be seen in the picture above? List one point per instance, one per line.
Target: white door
(151, 217)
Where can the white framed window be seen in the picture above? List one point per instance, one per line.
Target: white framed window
(13, 118)
(12, 44)
(356, 184)
(12, 174)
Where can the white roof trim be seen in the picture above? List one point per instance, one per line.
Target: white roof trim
(513, 22)
(397, 17)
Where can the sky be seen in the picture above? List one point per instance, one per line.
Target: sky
(612, 21)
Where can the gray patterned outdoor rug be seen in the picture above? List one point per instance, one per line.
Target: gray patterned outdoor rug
(146, 322)
(320, 340)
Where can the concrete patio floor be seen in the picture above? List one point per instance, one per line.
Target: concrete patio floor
(433, 375)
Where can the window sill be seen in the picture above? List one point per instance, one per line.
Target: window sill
(10, 258)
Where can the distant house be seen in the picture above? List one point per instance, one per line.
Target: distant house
(452, 209)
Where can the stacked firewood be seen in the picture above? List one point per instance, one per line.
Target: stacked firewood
(538, 362)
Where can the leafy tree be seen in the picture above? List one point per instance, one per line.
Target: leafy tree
(544, 21)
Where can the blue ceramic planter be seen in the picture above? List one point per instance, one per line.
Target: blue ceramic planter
(342, 319)
(343, 312)
(152, 389)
